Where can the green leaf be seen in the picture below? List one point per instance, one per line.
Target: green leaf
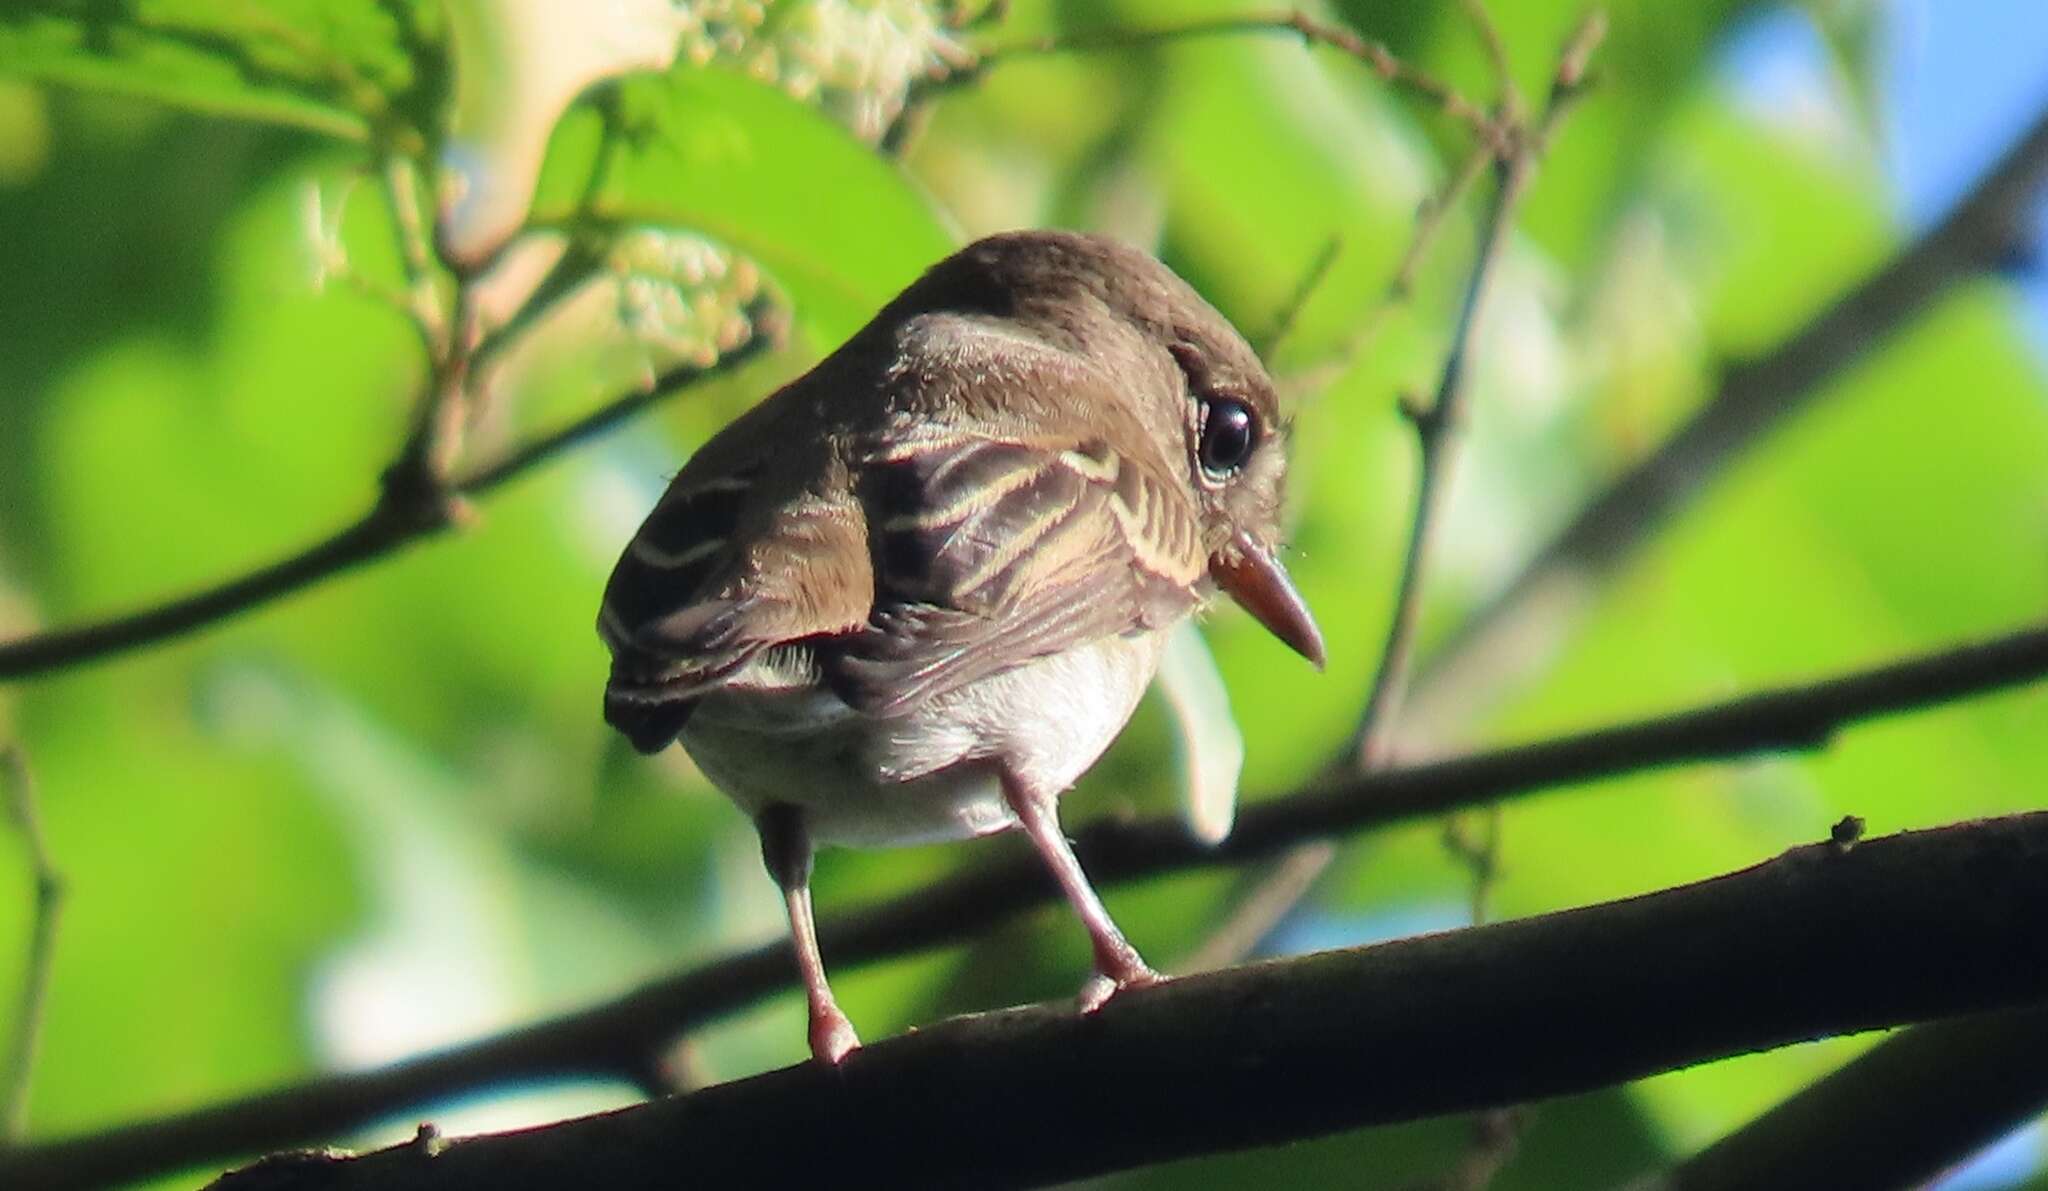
(842, 229)
(340, 68)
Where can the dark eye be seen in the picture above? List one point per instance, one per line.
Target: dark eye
(1228, 434)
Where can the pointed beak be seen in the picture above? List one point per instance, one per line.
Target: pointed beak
(1248, 571)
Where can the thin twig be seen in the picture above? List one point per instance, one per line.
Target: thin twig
(1905, 928)
(1430, 220)
(1382, 61)
(1437, 426)
(1289, 315)
(331, 263)
(420, 477)
(46, 906)
(613, 1039)
(402, 191)
(1496, 1133)
(1271, 897)
(416, 250)
(1479, 851)
(390, 524)
(1509, 96)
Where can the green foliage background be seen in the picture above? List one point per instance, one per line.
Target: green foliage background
(385, 814)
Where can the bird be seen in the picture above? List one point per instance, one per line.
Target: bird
(915, 593)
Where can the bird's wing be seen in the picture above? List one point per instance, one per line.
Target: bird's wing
(733, 574)
(992, 551)
(918, 555)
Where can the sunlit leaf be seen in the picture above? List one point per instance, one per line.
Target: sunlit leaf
(840, 227)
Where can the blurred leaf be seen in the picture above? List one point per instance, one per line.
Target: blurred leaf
(1877, 524)
(343, 68)
(705, 150)
(203, 884)
(435, 802)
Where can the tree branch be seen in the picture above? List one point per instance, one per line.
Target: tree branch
(613, 1038)
(1820, 941)
(397, 519)
(1898, 1116)
(1980, 233)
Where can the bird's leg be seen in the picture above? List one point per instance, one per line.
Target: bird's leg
(786, 849)
(1117, 964)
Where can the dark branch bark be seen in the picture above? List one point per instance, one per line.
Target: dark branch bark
(1823, 940)
(402, 515)
(1914, 1106)
(614, 1038)
(1980, 234)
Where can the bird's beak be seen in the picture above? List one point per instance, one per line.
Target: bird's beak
(1248, 571)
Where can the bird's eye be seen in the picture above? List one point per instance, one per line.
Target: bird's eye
(1227, 435)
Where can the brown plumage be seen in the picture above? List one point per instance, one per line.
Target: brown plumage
(916, 592)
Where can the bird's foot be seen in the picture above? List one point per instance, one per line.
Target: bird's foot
(832, 1036)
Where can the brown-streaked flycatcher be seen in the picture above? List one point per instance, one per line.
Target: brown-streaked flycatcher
(915, 593)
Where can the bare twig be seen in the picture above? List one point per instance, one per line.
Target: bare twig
(1430, 220)
(402, 190)
(1815, 942)
(1479, 851)
(1290, 312)
(1510, 98)
(47, 904)
(1271, 896)
(394, 521)
(1390, 68)
(1437, 425)
(1495, 1133)
(323, 223)
(614, 1038)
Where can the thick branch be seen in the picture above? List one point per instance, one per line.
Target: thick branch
(1754, 398)
(1898, 1116)
(614, 1038)
(396, 520)
(1820, 941)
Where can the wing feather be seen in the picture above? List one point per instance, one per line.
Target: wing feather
(725, 572)
(1067, 543)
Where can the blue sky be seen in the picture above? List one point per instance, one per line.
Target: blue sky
(1958, 80)
(1963, 78)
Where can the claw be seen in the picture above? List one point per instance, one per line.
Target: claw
(1102, 986)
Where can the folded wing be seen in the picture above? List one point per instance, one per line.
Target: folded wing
(989, 553)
